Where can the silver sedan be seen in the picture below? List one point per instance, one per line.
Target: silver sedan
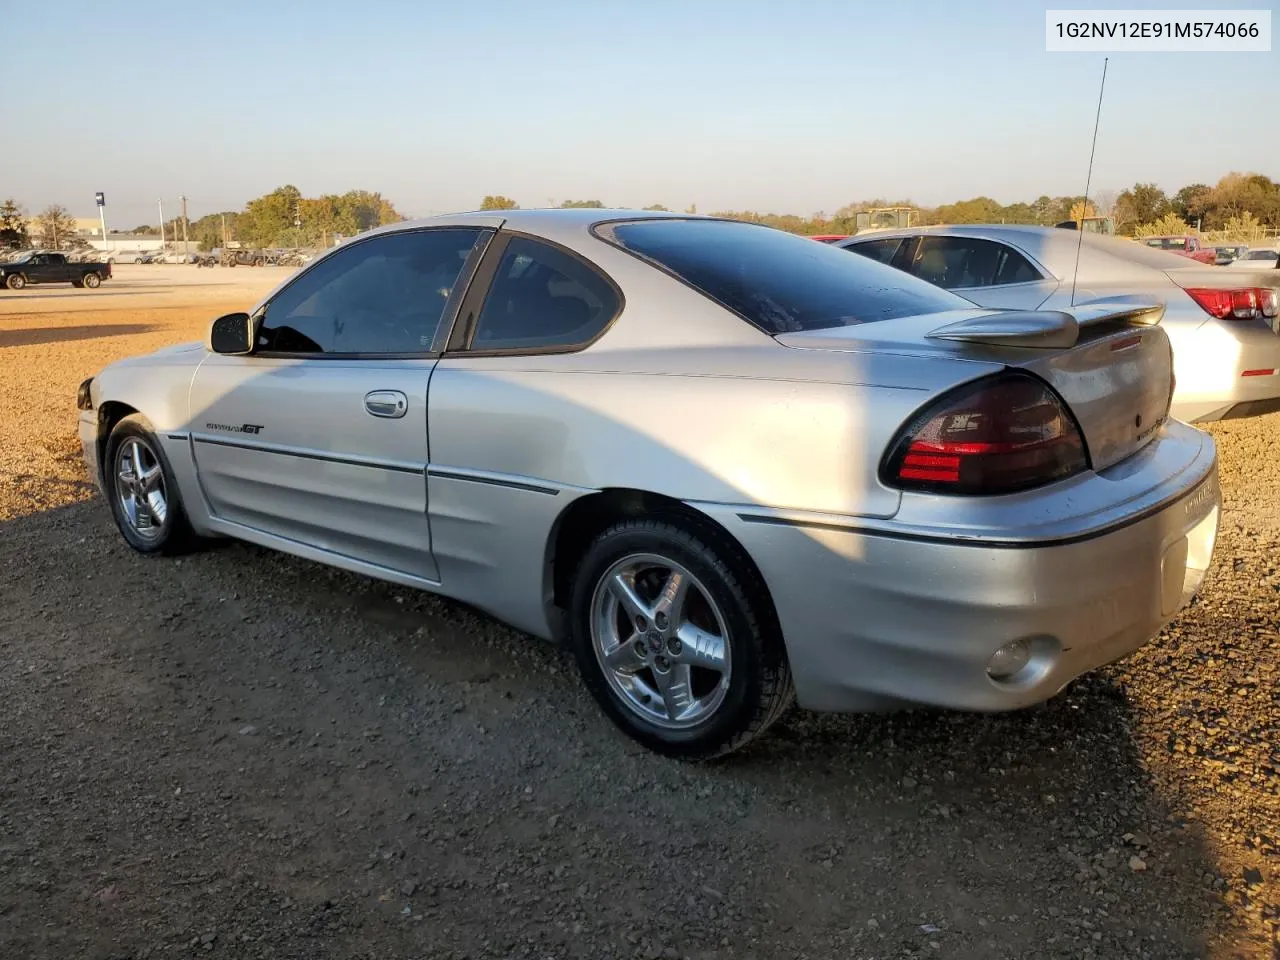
(1223, 324)
(728, 466)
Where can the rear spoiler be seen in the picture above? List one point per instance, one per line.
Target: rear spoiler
(1047, 329)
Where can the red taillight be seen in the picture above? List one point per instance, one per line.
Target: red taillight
(1005, 433)
(1247, 303)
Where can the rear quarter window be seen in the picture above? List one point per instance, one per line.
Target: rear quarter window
(780, 282)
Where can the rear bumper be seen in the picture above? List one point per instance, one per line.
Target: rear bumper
(875, 620)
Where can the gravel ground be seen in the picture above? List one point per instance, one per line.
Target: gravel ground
(241, 754)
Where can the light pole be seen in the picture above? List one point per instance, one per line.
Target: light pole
(160, 203)
(185, 248)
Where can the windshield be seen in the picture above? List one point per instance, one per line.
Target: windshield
(23, 258)
(780, 282)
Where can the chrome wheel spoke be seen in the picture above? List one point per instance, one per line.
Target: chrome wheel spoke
(149, 479)
(700, 649)
(624, 657)
(625, 592)
(668, 610)
(676, 687)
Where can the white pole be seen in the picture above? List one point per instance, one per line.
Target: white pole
(160, 203)
(102, 219)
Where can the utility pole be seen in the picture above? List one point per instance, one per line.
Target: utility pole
(224, 231)
(185, 248)
(160, 203)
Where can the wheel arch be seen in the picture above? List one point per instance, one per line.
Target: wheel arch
(588, 516)
(110, 412)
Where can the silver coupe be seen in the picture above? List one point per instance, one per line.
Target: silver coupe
(1223, 324)
(728, 466)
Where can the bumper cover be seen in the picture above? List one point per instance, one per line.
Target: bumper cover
(875, 619)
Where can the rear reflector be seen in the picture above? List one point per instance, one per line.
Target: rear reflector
(1268, 372)
(1246, 303)
(1002, 434)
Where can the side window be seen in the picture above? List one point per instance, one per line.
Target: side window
(540, 298)
(962, 262)
(882, 250)
(381, 296)
(1013, 267)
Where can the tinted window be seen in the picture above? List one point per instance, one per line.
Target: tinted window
(778, 281)
(1262, 255)
(882, 250)
(961, 262)
(379, 296)
(542, 297)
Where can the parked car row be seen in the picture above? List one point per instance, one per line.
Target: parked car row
(728, 466)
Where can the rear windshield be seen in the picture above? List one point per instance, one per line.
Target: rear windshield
(781, 282)
(1262, 255)
(1168, 243)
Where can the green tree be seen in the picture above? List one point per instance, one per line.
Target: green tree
(1169, 225)
(655, 206)
(582, 203)
(498, 202)
(1141, 203)
(13, 225)
(1189, 202)
(55, 227)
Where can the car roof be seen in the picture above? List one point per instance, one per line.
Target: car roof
(548, 222)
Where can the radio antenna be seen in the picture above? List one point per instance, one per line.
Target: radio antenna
(1088, 180)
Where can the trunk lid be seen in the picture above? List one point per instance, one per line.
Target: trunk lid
(1111, 363)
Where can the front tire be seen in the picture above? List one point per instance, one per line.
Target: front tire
(92, 281)
(143, 494)
(15, 281)
(675, 638)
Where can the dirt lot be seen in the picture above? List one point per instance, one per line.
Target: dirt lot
(240, 754)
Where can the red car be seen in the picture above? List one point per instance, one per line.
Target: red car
(828, 237)
(1186, 246)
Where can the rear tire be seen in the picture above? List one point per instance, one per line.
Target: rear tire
(699, 683)
(140, 487)
(15, 281)
(92, 281)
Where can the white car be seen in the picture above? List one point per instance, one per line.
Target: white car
(1222, 324)
(1257, 259)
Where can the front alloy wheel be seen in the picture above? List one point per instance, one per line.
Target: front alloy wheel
(140, 488)
(144, 497)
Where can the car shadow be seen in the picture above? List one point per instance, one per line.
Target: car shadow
(28, 336)
(276, 746)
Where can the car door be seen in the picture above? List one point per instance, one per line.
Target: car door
(498, 438)
(319, 436)
(58, 270)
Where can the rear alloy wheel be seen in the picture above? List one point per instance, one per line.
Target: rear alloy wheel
(15, 281)
(92, 281)
(144, 498)
(673, 643)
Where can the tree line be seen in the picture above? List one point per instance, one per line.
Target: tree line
(1243, 205)
(281, 218)
(1239, 202)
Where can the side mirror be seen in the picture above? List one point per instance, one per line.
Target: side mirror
(232, 334)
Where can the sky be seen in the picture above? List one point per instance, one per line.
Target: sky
(777, 106)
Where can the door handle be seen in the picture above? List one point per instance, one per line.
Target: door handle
(386, 403)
